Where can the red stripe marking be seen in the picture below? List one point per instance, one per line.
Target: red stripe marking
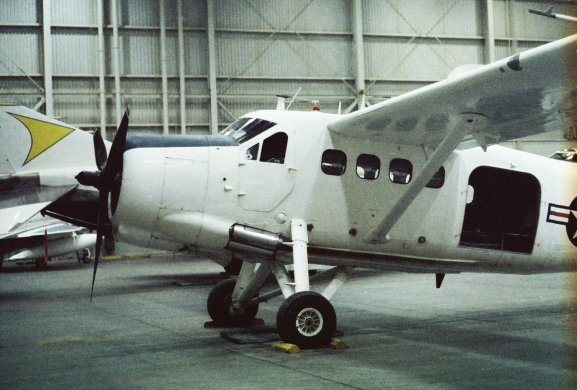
(559, 214)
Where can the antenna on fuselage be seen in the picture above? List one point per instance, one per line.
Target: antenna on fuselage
(294, 98)
(549, 13)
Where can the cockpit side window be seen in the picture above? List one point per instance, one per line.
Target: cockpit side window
(245, 129)
(252, 152)
(274, 148)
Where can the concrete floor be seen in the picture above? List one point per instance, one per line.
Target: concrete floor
(144, 329)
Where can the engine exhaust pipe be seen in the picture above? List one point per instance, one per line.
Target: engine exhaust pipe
(250, 239)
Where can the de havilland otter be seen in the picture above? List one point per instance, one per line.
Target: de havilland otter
(410, 184)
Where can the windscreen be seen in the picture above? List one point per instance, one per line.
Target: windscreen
(246, 128)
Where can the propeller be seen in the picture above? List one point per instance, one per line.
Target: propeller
(109, 167)
(100, 153)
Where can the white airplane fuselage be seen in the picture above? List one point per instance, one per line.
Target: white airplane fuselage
(499, 210)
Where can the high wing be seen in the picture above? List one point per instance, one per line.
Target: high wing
(529, 93)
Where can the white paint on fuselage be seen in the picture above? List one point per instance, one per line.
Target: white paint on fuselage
(192, 194)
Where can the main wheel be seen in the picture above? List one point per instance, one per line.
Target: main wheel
(219, 302)
(83, 256)
(40, 263)
(306, 319)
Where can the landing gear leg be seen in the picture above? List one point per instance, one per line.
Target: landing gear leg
(231, 303)
(306, 318)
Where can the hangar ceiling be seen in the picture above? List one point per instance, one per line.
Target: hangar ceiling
(193, 66)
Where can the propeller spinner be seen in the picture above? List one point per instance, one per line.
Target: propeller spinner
(104, 179)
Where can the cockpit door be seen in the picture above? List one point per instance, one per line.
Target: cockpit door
(267, 171)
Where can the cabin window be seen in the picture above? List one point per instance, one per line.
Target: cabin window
(400, 171)
(334, 162)
(368, 166)
(274, 148)
(438, 179)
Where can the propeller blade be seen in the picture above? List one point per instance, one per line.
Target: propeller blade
(100, 153)
(114, 161)
(96, 258)
(102, 210)
(103, 180)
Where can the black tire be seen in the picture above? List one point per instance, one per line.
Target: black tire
(40, 264)
(306, 319)
(218, 306)
(85, 256)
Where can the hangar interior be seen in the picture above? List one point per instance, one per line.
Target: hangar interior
(194, 66)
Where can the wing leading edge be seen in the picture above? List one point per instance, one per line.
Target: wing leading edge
(529, 93)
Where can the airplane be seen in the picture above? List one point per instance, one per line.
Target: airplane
(414, 184)
(550, 14)
(39, 157)
(41, 238)
(569, 154)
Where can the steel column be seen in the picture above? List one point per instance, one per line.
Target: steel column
(101, 69)
(359, 53)
(489, 32)
(116, 59)
(163, 68)
(512, 28)
(181, 74)
(211, 37)
(47, 48)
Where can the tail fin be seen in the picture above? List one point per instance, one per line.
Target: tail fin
(39, 159)
(32, 142)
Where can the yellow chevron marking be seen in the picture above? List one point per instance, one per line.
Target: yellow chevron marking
(43, 135)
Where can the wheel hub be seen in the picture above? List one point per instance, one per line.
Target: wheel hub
(309, 322)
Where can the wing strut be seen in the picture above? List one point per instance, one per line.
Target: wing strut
(464, 125)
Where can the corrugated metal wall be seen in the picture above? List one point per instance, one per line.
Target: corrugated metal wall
(261, 48)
